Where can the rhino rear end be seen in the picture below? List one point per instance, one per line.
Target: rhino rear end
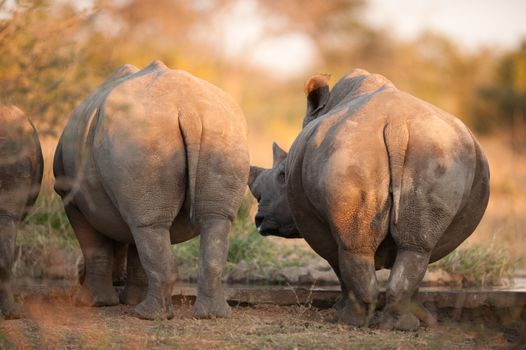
(21, 168)
(468, 218)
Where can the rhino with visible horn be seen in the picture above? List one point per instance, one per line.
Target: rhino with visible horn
(21, 169)
(153, 157)
(376, 179)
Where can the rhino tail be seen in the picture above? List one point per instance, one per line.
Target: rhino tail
(37, 171)
(191, 129)
(70, 188)
(396, 137)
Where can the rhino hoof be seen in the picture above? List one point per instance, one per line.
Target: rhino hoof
(340, 304)
(86, 297)
(407, 322)
(132, 294)
(347, 315)
(147, 311)
(386, 321)
(403, 322)
(206, 307)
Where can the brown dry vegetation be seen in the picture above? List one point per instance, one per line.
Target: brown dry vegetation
(56, 324)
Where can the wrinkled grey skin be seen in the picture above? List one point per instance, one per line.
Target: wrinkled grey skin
(153, 157)
(21, 167)
(376, 179)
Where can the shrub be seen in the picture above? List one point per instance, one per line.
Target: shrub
(479, 265)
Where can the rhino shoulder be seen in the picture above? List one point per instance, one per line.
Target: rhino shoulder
(122, 71)
(358, 82)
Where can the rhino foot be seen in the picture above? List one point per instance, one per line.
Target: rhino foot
(210, 307)
(404, 322)
(348, 314)
(340, 304)
(407, 322)
(423, 314)
(149, 309)
(102, 297)
(132, 294)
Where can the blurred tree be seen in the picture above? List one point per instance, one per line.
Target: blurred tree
(39, 60)
(327, 23)
(502, 104)
(52, 55)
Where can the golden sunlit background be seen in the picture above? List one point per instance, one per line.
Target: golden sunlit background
(466, 57)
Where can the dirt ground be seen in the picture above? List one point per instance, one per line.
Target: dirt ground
(54, 323)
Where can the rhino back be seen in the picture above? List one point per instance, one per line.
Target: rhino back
(139, 128)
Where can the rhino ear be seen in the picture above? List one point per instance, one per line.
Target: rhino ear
(278, 154)
(317, 92)
(253, 175)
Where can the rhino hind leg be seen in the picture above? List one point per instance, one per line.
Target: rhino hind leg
(213, 250)
(8, 307)
(136, 281)
(119, 271)
(97, 287)
(358, 271)
(155, 251)
(320, 239)
(406, 274)
(416, 235)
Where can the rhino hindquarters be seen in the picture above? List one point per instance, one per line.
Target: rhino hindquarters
(426, 211)
(468, 218)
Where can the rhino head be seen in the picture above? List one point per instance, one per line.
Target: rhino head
(269, 187)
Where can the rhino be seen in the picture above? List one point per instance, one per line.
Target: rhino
(21, 169)
(377, 178)
(152, 158)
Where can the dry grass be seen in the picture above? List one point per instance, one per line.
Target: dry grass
(504, 223)
(55, 324)
(479, 265)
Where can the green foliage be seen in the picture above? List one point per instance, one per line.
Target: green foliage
(479, 265)
(40, 61)
(245, 242)
(47, 224)
(502, 103)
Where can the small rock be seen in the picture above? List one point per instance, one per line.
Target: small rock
(323, 278)
(321, 265)
(382, 275)
(293, 275)
(241, 273)
(440, 277)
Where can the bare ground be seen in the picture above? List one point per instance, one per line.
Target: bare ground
(54, 323)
